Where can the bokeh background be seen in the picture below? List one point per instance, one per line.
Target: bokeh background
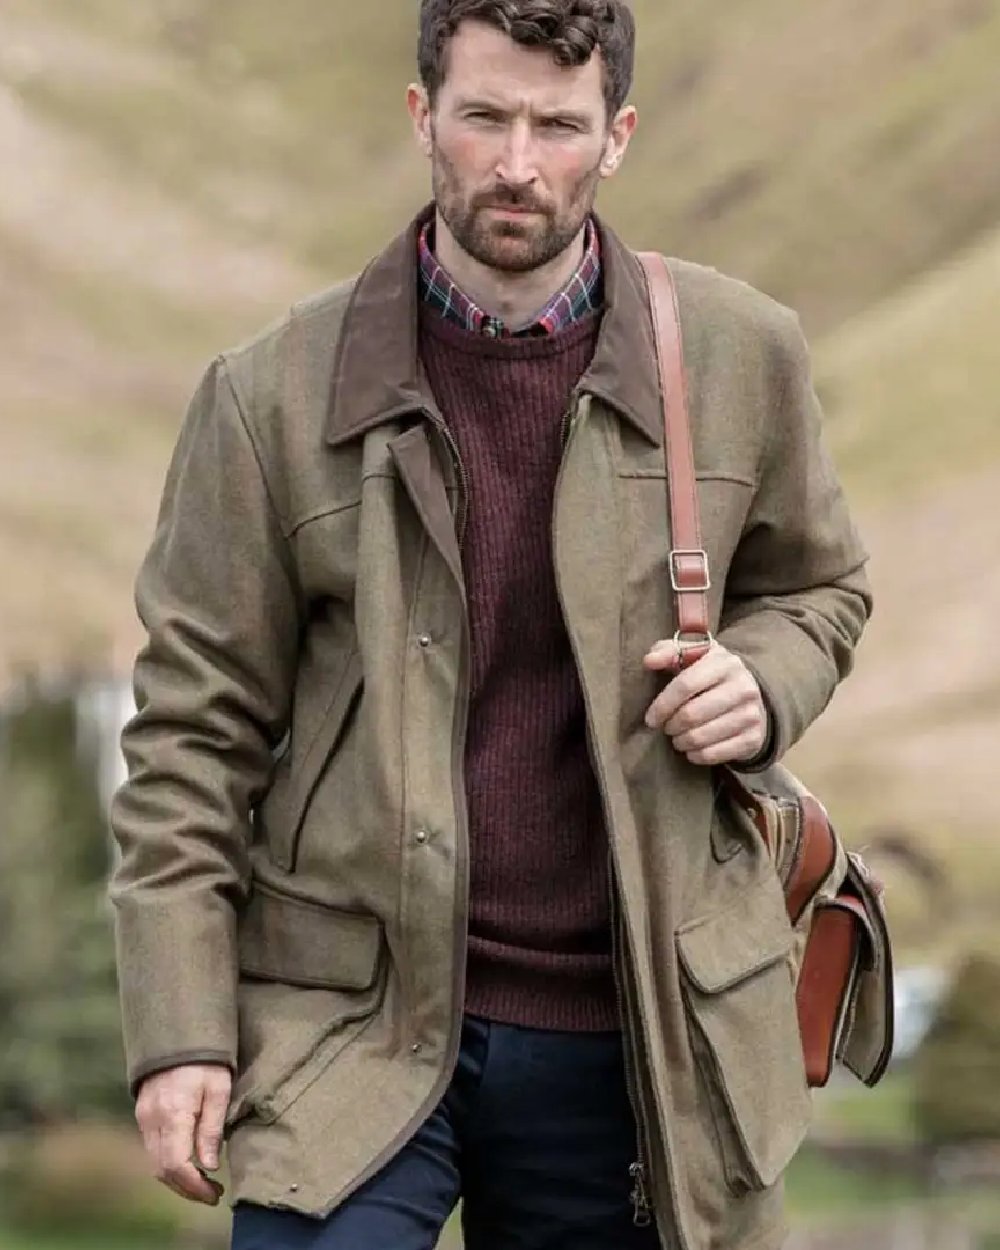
(174, 172)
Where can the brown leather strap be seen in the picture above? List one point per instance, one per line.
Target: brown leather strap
(689, 573)
(817, 856)
(833, 947)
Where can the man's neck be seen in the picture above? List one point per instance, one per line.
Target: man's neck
(513, 298)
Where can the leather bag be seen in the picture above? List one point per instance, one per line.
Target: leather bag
(843, 956)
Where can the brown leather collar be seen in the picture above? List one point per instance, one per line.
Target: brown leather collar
(377, 377)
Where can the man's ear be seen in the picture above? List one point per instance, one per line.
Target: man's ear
(619, 137)
(420, 114)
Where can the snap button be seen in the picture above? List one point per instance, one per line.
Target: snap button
(421, 836)
(416, 1048)
(294, 1189)
(425, 640)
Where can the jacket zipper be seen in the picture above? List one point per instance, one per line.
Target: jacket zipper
(642, 1207)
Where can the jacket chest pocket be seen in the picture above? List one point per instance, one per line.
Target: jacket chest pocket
(278, 820)
(738, 983)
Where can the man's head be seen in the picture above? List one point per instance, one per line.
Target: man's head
(522, 110)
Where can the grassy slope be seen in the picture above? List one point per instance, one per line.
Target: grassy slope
(182, 170)
(909, 744)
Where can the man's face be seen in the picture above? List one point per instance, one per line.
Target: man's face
(518, 145)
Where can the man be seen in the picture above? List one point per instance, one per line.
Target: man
(420, 841)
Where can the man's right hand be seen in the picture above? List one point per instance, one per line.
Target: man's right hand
(180, 1113)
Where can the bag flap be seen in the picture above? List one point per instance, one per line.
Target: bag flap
(283, 938)
(868, 1041)
(729, 946)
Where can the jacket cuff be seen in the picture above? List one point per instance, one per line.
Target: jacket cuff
(154, 1066)
(765, 756)
(178, 975)
(794, 680)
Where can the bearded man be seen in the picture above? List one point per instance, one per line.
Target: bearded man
(424, 894)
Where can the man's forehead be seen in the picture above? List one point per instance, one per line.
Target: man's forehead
(484, 62)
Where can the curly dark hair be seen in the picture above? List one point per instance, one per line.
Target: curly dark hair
(570, 29)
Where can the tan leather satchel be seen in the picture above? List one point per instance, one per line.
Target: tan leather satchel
(844, 991)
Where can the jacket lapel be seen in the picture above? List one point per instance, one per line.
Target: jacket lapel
(425, 484)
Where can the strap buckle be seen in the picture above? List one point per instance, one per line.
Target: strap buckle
(693, 639)
(681, 578)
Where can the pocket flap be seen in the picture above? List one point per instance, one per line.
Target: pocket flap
(282, 938)
(729, 946)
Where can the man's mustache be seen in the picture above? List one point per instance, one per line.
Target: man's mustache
(507, 197)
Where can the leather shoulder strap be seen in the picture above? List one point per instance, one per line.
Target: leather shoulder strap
(689, 572)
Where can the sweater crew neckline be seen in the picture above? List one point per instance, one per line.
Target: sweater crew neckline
(520, 347)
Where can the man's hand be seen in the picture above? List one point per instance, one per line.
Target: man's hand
(180, 1113)
(713, 711)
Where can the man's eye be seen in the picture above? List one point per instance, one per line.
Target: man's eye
(559, 124)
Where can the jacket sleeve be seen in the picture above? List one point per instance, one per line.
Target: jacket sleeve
(797, 596)
(218, 598)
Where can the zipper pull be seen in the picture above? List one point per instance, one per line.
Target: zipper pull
(642, 1212)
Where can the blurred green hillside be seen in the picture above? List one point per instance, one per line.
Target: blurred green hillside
(175, 172)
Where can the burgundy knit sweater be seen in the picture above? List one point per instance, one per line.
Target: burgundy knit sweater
(539, 933)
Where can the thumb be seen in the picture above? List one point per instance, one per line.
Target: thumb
(663, 656)
(215, 1103)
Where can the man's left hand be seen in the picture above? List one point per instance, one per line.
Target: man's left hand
(713, 712)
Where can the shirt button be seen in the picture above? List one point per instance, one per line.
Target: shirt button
(416, 1048)
(425, 640)
(422, 836)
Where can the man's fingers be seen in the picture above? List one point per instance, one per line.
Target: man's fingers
(709, 671)
(189, 1183)
(732, 751)
(215, 1103)
(702, 709)
(178, 1173)
(174, 1167)
(729, 727)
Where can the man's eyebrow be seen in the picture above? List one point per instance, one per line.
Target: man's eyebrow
(474, 102)
(565, 115)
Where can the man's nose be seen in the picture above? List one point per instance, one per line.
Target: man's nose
(517, 166)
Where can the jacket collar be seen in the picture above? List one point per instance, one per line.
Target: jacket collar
(377, 375)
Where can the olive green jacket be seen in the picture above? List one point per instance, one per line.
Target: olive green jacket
(292, 892)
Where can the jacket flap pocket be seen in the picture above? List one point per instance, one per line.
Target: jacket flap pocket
(744, 1032)
(288, 939)
(721, 950)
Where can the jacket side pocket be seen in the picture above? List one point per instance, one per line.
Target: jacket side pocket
(282, 812)
(311, 978)
(738, 982)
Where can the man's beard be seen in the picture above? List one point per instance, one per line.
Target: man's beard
(510, 245)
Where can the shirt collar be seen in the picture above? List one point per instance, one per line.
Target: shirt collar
(580, 296)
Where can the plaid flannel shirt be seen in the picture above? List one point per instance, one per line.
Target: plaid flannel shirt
(581, 294)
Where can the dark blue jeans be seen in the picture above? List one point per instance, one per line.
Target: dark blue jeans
(535, 1135)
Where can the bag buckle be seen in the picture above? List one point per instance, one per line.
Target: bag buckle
(685, 579)
(692, 644)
